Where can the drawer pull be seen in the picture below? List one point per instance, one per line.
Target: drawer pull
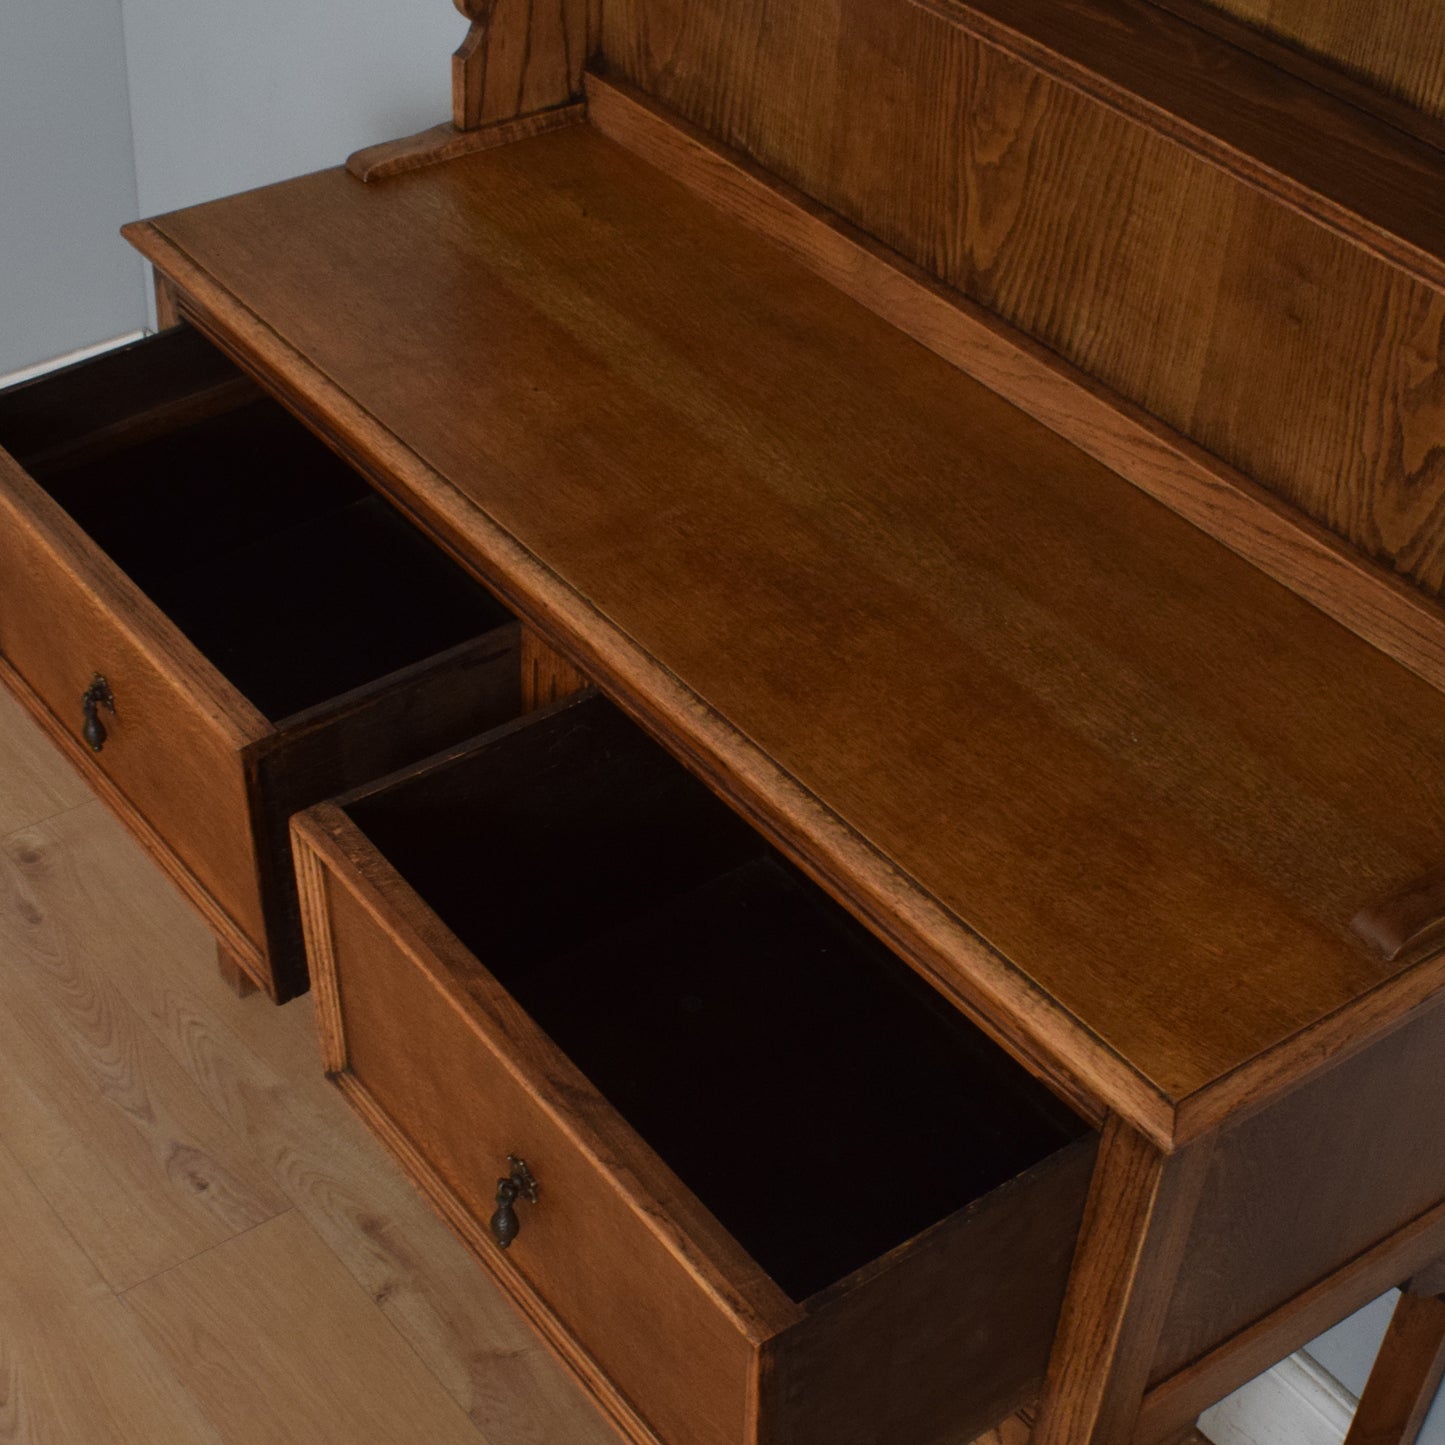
(519, 1183)
(98, 695)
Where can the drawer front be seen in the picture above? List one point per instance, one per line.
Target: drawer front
(467, 1090)
(66, 614)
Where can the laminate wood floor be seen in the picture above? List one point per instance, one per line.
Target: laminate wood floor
(199, 1244)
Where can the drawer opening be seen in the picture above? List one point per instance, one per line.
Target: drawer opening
(266, 549)
(816, 1095)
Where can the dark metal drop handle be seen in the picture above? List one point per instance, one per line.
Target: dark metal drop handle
(98, 695)
(519, 1184)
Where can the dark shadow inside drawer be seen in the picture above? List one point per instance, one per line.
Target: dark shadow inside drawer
(267, 550)
(816, 1095)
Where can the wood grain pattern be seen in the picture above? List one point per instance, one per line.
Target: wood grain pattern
(1048, 161)
(168, 313)
(1135, 1229)
(219, 1321)
(82, 1378)
(520, 57)
(178, 729)
(547, 676)
(75, 1366)
(974, 1303)
(39, 783)
(123, 1147)
(497, 1087)
(1278, 1212)
(1406, 920)
(234, 974)
(970, 661)
(1278, 539)
(69, 746)
(353, 738)
(1397, 46)
(1410, 1367)
(615, 1407)
(1183, 1396)
(447, 142)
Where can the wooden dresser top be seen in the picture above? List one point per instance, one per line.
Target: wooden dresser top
(1114, 790)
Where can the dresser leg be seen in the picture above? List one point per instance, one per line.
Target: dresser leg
(1408, 1369)
(232, 974)
(1136, 1224)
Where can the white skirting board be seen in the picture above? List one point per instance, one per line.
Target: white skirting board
(84, 354)
(1296, 1403)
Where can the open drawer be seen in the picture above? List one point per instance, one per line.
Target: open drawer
(784, 1193)
(221, 622)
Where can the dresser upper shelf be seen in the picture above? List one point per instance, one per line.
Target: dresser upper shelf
(1116, 791)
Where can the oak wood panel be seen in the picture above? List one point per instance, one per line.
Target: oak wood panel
(973, 1303)
(168, 313)
(1279, 1211)
(681, 1350)
(614, 1406)
(520, 57)
(1136, 1224)
(1180, 1398)
(76, 1366)
(223, 927)
(1277, 538)
(178, 728)
(1005, 156)
(1407, 1372)
(276, 1306)
(1000, 1000)
(1395, 45)
(693, 335)
(132, 1158)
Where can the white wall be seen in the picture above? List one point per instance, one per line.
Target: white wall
(227, 96)
(67, 181)
(1348, 1351)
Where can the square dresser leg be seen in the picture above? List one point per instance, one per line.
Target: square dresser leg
(1136, 1224)
(232, 974)
(1408, 1369)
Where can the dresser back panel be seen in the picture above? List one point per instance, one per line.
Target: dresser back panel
(1291, 352)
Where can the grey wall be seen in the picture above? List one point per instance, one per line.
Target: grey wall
(113, 109)
(67, 181)
(227, 96)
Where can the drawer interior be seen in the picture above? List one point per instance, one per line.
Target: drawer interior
(266, 549)
(817, 1096)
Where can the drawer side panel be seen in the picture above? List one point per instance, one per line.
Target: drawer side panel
(946, 1336)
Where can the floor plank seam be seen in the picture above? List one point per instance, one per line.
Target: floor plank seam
(50, 818)
(209, 1249)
